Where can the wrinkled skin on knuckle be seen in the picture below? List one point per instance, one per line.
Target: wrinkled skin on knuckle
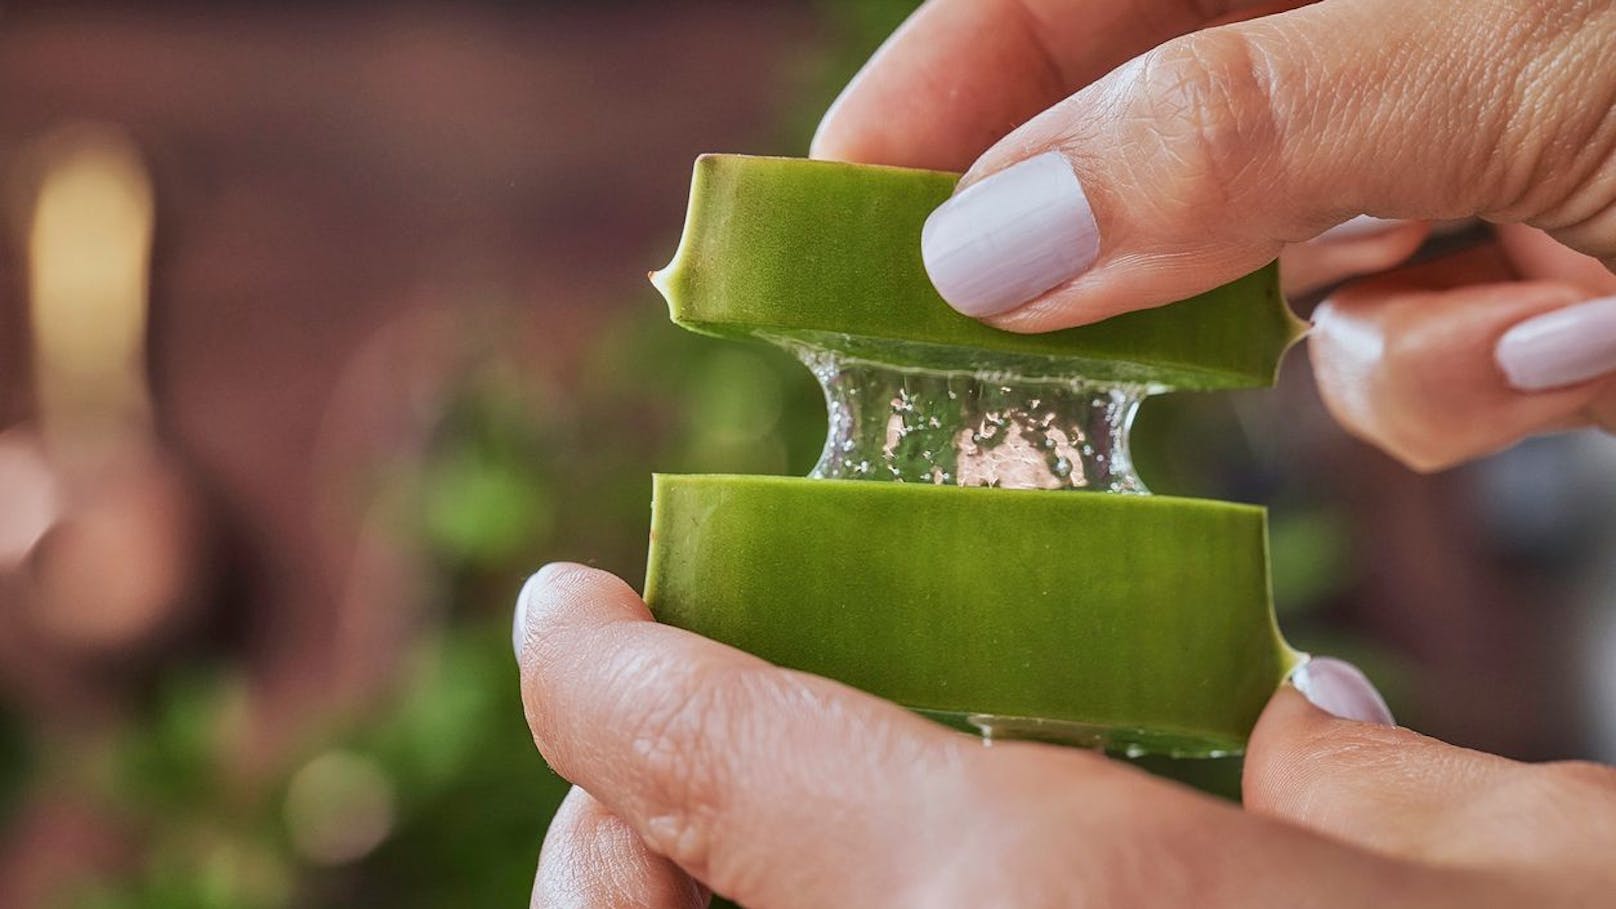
(599, 869)
(1197, 106)
(735, 739)
(1556, 84)
(681, 741)
(556, 699)
(695, 747)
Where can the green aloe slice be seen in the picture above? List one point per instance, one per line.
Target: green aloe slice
(827, 254)
(1143, 624)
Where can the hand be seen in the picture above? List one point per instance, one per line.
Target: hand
(1149, 180)
(699, 766)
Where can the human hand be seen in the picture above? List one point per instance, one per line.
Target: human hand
(698, 766)
(1146, 181)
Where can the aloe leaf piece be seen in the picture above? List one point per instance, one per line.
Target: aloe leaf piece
(828, 254)
(1143, 624)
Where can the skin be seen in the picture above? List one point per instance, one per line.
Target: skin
(1252, 128)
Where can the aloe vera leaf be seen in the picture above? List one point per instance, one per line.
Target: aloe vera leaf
(1146, 619)
(828, 254)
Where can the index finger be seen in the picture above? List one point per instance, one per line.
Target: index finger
(958, 75)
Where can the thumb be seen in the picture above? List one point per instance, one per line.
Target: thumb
(1325, 755)
(1199, 161)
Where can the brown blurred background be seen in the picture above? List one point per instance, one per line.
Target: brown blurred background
(322, 324)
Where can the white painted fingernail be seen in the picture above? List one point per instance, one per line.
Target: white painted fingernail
(1560, 348)
(1341, 689)
(1004, 241)
(1358, 228)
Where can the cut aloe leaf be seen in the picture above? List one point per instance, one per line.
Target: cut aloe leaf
(1142, 624)
(827, 255)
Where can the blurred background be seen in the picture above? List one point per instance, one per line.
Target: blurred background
(321, 325)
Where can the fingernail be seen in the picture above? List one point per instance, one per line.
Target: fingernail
(519, 620)
(1009, 238)
(1560, 348)
(1358, 228)
(1342, 690)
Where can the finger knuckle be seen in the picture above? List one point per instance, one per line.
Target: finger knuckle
(1556, 139)
(1208, 103)
(673, 739)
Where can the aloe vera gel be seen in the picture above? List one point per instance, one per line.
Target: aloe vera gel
(957, 428)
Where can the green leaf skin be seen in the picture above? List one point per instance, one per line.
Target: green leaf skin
(828, 254)
(1146, 618)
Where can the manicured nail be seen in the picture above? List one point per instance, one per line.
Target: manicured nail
(1004, 241)
(1341, 689)
(1560, 348)
(1358, 228)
